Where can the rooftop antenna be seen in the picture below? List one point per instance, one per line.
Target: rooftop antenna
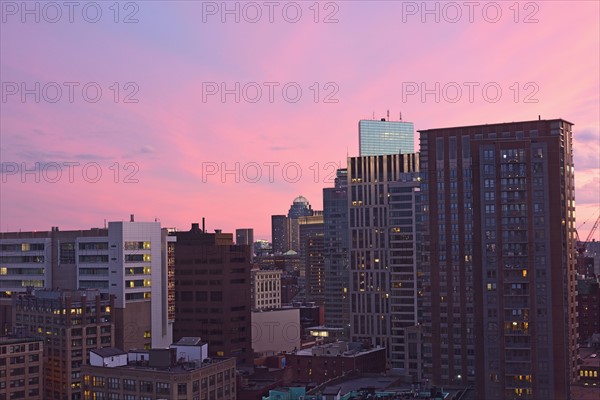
(104, 223)
(388, 115)
(401, 116)
(373, 114)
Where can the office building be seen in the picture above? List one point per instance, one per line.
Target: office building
(265, 288)
(381, 194)
(71, 323)
(280, 234)
(129, 260)
(381, 137)
(498, 259)
(21, 370)
(336, 253)
(212, 292)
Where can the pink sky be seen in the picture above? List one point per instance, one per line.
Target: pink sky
(173, 136)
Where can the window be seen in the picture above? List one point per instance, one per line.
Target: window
(129, 384)
(113, 383)
(163, 388)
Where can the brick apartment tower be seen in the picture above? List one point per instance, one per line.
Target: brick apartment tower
(499, 258)
(212, 292)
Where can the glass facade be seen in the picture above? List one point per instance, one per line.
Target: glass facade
(381, 137)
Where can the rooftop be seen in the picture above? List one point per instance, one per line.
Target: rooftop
(108, 352)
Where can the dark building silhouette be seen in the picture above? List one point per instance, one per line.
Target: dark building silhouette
(588, 308)
(336, 253)
(212, 292)
(311, 257)
(280, 234)
(498, 260)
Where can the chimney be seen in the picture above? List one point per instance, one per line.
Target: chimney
(203, 227)
(131, 219)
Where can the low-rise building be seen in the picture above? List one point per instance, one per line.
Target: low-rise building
(179, 372)
(322, 363)
(21, 372)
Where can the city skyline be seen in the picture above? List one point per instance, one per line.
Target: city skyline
(177, 131)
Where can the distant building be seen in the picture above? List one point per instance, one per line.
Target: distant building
(159, 374)
(336, 253)
(588, 309)
(280, 234)
(300, 208)
(72, 323)
(274, 331)
(266, 288)
(21, 369)
(244, 236)
(321, 363)
(311, 256)
(381, 137)
(212, 292)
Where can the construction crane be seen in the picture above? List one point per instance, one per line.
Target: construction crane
(582, 245)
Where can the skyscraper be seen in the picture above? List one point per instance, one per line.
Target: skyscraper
(379, 137)
(499, 258)
(376, 265)
(311, 256)
(335, 253)
(280, 234)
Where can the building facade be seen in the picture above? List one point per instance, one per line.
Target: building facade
(499, 258)
(71, 323)
(336, 253)
(381, 137)
(129, 260)
(212, 292)
(380, 244)
(280, 234)
(266, 288)
(161, 376)
(21, 368)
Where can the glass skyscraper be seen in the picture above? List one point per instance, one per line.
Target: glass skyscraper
(381, 137)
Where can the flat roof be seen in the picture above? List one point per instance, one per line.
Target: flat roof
(108, 352)
(495, 123)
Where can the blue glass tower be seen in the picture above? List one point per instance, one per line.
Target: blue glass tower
(381, 137)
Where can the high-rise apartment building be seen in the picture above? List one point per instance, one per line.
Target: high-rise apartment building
(335, 253)
(499, 258)
(379, 274)
(212, 292)
(380, 137)
(129, 260)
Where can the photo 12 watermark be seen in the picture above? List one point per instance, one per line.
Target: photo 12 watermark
(69, 92)
(269, 92)
(69, 172)
(54, 12)
(453, 12)
(268, 172)
(253, 12)
(469, 92)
